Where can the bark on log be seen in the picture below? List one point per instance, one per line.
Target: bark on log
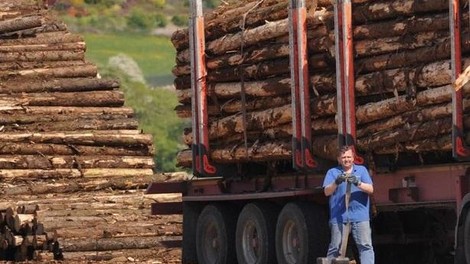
(362, 13)
(235, 106)
(385, 9)
(64, 110)
(370, 112)
(21, 117)
(29, 65)
(109, 137)
(43, 56)
(225, 20)
(84, 70)
(105, 244)
(265, 88)
(46, 45)
(404, 26)
(439, 51)
(419, 131)
(94, 99)
(76, 125)
(20, 23)
(325, 146)
(34, 174)
(76, 185)
(48, 26)
(55, 38)
(73, 149)
(382, 82)
(34, 85)
(113, 256)
(82, 162)
(317, 44)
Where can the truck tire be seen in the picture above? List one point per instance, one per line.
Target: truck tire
(466, 238)
(255, 234)
(462, 233)
(301, 234)
(215, 235)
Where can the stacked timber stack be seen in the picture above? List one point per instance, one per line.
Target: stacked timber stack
(22, 236)
(67, 142)
(109, 223)
(403, 83)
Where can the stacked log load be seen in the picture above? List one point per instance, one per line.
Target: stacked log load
(402, 69)
(67, 142)
(22, 236)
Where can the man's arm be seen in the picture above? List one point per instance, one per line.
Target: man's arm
(330, 189)
(366, 187)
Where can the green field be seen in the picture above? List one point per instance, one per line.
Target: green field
(155, 55)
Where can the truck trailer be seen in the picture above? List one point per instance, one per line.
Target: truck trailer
(270, 208)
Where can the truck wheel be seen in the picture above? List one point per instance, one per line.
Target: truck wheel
(466, 238)
(254, 237)
(462, 251)
(215, 234)
(301, 234)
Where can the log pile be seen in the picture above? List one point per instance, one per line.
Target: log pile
(69, 145)
(402, 79)
(23, 236)
(110, 223)
(58, 119)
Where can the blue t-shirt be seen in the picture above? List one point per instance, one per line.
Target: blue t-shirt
(359, 201)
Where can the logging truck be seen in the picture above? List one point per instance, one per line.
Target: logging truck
(310, 76)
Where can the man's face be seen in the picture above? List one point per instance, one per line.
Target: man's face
(346, 159)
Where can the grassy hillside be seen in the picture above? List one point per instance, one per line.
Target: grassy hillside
(115, 27)
(154, 107)
(154, 55)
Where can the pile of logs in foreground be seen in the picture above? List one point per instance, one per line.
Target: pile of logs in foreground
(69, 145)
(22, 236)
(57, 118)
(402, 78)
(110, 224)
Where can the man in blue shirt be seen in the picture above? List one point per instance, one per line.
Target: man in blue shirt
(357, 215)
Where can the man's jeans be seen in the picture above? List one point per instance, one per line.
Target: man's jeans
(361, 233)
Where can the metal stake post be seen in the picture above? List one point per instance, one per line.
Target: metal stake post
(301, 119)
(200, 146)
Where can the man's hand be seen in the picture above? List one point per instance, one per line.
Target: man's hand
(341, 178)
(354, 180)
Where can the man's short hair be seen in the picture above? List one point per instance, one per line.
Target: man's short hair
(344, 149)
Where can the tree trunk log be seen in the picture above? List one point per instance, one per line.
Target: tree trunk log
(77, 185)
(265, 88)
(105, 137)
(84, 70)
(75, 112)
(28, 148)
(46, 45)
(83, 162)
(83, 99)
(85, 124)
(105, 244)
(44, 40)
(20, 23)
(44, 56)
(35, 174)
(22, 85)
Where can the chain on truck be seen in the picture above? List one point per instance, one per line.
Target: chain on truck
(282, 217)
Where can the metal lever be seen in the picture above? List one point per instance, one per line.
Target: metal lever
(301, 120)
(200, 146)
(345, 81)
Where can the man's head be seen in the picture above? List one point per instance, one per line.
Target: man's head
(346, 157)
